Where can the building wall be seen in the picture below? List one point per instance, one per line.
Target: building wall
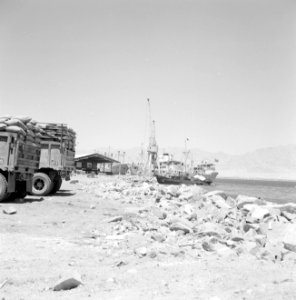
(87, 164)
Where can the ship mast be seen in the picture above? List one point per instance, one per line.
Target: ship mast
(186, 154)
(152, 150)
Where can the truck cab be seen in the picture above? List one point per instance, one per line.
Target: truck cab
(19, 158)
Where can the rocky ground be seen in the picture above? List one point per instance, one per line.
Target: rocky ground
(130, 238)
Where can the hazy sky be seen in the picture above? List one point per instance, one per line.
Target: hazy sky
(220, 72)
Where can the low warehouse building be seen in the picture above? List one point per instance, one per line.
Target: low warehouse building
(94, 163)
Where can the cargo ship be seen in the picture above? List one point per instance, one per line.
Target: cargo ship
(172, 171)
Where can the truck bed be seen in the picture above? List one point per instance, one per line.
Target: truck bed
(55, 156)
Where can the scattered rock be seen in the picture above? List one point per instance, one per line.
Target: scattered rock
(214, 193)
(115, 219)
(141, 252)
(159, 237)
(289, 237)
(242, 200)
(67, 284)
(9, 210)
(3, 283)
(74, 181)
(173, 191)
(152, 254)
(188, 209)
(186, 196)
(121, 263)
(131, 212)
(180, 226)
(210, 229)
(289, 216)
(219, 201)
(178, 253)
(258, 213)
(158, 213)
(208, 246)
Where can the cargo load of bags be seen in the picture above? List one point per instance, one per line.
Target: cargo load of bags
(37, 132)
(24, 126)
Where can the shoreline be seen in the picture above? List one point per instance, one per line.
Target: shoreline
(256, 179)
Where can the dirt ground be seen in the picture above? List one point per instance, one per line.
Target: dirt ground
(66, 235)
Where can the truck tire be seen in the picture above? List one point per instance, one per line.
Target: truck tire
(42, 184)
(3, 188)
(57, 182)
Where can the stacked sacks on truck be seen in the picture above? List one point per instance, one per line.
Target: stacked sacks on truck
(20, 139)
(57, 158)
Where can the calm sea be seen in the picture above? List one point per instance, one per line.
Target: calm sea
(280, 191)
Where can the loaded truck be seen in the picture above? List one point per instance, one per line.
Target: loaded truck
(19, 158)
(56, 158)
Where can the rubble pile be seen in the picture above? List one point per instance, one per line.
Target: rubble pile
(187, 220)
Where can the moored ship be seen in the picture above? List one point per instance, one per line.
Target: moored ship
(205, 171)
(172, 171)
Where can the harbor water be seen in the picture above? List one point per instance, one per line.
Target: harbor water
(279, 191)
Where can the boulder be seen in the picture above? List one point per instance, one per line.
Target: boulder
(131, 212)
(214, 193)
(211, 229)
(159, 237)
(186, 196)
(290, 208)
(274, 252)
(192, 216)
(289, 216)
(188, 209)
(223, 250)
(176, 226)
(207, 246)
(241, 200)
(219, 201)
(74, 181)
(158, 197)
(173, 190)
(158, 213)
(289, 235)
(258, 212)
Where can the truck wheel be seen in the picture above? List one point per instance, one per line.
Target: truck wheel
(56, 184)
(3, 187)
(42, 184)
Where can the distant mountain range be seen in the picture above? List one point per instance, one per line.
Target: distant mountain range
(270, 163)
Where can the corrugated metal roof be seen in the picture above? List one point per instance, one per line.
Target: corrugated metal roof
(99, 158)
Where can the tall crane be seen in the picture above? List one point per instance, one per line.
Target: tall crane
(152, 150)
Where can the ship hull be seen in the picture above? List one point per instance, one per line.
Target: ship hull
(210, 176)
(176, 180)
